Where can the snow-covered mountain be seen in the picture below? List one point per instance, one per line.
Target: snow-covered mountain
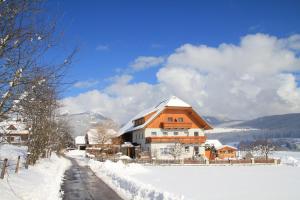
(81, 122)
(284, 128)
(286, 121)
(221, 121)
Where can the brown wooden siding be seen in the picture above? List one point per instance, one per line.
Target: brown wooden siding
(179, 139)
(226, 152)
(189, 119)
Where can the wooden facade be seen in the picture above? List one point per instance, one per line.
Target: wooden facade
(178, 118)
(226, 152)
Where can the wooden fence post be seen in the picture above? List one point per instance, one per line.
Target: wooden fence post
(18, 164)
(27, 160)
(3, 168)
(206, 161)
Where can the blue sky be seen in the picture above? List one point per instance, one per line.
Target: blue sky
(111, 34)
(234, 59)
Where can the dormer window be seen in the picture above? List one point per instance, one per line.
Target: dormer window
(138, 122)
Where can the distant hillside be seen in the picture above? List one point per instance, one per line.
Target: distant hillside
(81, 122)
(220, 122)
(284, 128)
(288, 121)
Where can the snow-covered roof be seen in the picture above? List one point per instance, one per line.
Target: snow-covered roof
(80, 140)
(173, 101)
(215, 143)
(223, 146)
(13, 126)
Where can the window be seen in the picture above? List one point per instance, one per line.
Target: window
(187, 149)
(196, 133)
(186, 133)
(170, 119)
(165, 133)
(12, 139)
(164, 151)
(153, 133)
(175, 133)
(180, 119)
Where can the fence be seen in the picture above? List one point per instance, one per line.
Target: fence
(10, 165)
(194, 162)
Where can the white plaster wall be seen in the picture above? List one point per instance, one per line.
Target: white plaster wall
(139, 136)
(156, 152)
(181, 132)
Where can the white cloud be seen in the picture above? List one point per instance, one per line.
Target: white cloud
(251, 79)
(102, 47)
(85, 84)
(144, 62)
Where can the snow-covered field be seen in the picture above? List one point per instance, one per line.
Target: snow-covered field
(134, 181)
(41, 181)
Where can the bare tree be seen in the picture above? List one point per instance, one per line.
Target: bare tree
(25, 38)
(105, 131)
(29, 81)
(62, 137)
(176, 150)
(248, 147)
(264, 147)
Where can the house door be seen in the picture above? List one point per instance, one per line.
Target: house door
(196, 150)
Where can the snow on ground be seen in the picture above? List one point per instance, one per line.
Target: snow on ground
(119, 177)
(288, 157)
(260, 182)
(41, 181)
(225, 182)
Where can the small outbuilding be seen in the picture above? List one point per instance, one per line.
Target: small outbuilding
(80, 142)
(215, 150)
(226, 152)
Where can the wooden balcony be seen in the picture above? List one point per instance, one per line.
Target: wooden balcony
(179, 139)
(177, 125)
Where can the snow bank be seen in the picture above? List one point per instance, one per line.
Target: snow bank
(117, 176)
(41, 181)
(288, 157)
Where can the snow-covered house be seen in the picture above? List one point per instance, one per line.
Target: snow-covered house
(158, 129)
(80, 142)
(13, 131)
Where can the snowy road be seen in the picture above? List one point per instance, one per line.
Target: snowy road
(81, 183)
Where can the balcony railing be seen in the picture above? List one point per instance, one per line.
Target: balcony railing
(179, 125)
(179, 139)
